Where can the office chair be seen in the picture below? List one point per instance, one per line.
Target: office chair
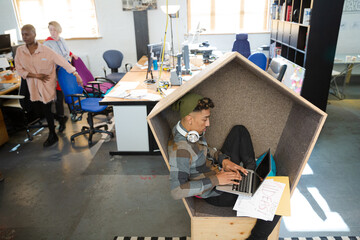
(79, 104)
(242, 45)
(259, 59)
(26, 112)
(277, 69)
(113, 59)
(97, 86)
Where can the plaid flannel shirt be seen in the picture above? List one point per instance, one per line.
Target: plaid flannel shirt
(193, 167)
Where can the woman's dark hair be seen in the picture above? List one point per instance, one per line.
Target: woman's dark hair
(203, 104)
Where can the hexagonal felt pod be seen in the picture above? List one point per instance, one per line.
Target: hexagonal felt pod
(276, 118)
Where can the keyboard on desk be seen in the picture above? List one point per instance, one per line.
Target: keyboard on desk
(245, 183)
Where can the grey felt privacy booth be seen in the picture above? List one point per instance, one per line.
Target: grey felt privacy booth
(276, 118)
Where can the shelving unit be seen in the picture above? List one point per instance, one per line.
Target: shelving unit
(291, 36)
(311, 46)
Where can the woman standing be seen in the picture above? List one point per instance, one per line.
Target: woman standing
(58, 44)
(37, 64)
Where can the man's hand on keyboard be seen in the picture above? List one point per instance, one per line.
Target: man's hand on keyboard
(229, 166)
(225, 178)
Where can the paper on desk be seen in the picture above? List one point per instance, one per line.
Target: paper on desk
(145, 66)
(284, 204)
(186, 78)
(137, 93)
(120, 90)
(152, 97)
(167, 92)
(263, 204)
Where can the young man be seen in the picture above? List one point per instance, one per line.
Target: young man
(37, 64)
(194, 166)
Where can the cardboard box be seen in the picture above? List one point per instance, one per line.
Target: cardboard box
(275, 117)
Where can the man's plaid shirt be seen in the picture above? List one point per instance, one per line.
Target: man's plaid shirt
(193, 167)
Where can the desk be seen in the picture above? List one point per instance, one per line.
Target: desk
(3, 132)
(16, 80)
(133, 135)
(350, 62)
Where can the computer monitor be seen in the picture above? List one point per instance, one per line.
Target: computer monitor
(153, 50)
(156, 49)
(5, 43)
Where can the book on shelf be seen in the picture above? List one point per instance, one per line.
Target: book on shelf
(277, 51)
(282, 11)
(288, 13)
(307, 16)
(272, 50)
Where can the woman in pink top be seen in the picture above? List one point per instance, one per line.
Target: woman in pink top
(37, 64)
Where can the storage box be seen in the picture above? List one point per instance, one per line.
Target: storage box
(275, 117)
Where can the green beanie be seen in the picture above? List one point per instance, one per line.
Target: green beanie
(186, 104)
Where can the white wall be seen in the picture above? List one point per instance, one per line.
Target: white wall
(7, 16)
(157, 22)
(117, 32)
(349, 34)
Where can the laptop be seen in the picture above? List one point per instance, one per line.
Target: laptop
(252, 181)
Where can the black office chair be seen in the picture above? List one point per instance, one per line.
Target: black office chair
(277, 69)
(80, 103)
(113, 59)
(23, 113)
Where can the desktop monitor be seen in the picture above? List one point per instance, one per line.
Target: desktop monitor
(156, 49)
(5, 43)
(153, 50)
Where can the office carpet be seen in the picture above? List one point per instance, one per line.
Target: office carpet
(105, 164)
(188, 238)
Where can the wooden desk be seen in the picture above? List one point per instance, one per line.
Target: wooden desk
(133, 135)
(16, 79)
(3, 132)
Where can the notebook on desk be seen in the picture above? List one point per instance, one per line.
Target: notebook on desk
(251, 182)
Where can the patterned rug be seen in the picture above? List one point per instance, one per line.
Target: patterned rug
(188, 238)
(322, 238)
(152, 238)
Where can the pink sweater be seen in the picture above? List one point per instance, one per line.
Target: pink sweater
(43, 60)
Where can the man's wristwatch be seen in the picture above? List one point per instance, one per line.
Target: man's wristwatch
(75, 73)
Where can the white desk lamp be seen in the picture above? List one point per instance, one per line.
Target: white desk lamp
(173, 12)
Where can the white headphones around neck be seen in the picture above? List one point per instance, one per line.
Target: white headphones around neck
(191, 136)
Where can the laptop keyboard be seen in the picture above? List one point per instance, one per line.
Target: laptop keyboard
(244, 185)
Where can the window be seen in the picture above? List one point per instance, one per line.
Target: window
(228, 16)
(76, 17)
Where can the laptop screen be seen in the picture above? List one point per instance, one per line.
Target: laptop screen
(264, 167)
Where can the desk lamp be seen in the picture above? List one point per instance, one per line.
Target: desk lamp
(173, 12)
